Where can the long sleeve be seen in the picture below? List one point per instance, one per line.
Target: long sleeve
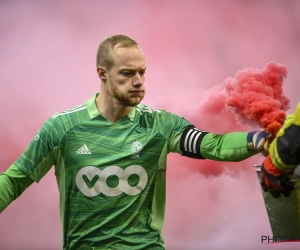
(225, 147)
(13, 183)
(198, 144)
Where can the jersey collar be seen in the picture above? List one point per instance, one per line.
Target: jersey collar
(93, 110)
(91, 106)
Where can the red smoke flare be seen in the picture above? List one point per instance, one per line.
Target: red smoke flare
(256, 96)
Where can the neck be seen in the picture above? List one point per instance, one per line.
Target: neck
(110, 108)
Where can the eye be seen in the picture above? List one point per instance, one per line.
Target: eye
(127, 73)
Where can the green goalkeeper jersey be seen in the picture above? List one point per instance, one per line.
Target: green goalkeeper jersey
(111, 176)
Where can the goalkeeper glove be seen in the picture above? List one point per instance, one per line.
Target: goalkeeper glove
(274, 180)
(258, 141)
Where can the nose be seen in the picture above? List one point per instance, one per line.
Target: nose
(138, 79)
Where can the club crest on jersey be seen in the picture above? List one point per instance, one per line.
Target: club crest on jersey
(136, 148)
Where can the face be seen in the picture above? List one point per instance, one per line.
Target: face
(125, 80)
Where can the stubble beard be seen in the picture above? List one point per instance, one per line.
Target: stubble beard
(126, 99)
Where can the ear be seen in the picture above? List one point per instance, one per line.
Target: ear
(101, 71)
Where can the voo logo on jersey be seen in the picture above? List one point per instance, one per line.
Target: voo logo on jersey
(92, 181)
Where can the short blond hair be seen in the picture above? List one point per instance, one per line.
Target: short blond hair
(105, 49)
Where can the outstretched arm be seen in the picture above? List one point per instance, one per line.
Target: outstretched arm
(234, 146)
(226, 147)
(37, 159)
(12, 184)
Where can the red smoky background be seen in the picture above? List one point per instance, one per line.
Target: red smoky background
(224, 65)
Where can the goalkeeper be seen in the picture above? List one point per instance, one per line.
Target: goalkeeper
(283, 158)
(110, 157)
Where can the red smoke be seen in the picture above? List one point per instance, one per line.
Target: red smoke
(257, 96)
(254, 96)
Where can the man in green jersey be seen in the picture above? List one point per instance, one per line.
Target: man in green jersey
(110, 157)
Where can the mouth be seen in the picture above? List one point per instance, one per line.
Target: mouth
(136, 92)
